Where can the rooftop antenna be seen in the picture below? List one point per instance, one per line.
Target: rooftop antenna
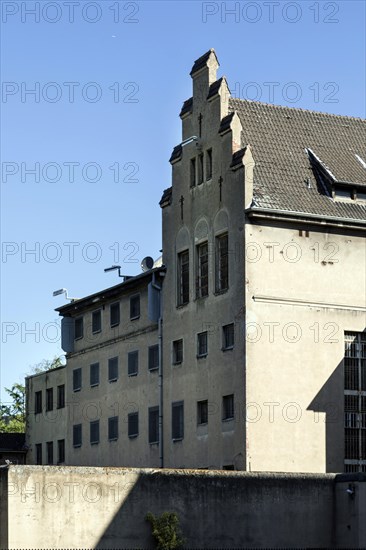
(115, 268)
(63, 291)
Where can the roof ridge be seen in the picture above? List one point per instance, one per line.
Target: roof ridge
(286, 107)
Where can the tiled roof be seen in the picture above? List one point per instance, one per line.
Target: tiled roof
(284, 178)
(12, 442)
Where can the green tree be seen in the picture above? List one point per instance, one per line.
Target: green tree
(165, 530)
(47, 364)
(12, 415)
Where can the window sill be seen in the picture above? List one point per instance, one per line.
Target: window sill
(134, 436)
(75, 390)
(115, 325)
(151, 443)
(177, 439)
(113, 439)
(180, 306)
(228, 349)
(59, 407)
(96, 331)
(135, 318)
(94, 385)
(112, 380)
(228, 419)
(219, 292)
(94, 443)
(154, 369)
(177, 364)
(202, 424)
(201, 356)
(78, 338)
(130, 375)
(201, 297)
(77, 446)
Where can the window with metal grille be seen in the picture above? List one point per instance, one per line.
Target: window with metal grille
(154, 357)
(113, 428)
(79, 328)
(183, 278)
(49, 447)
(133, 363)
(60, 451)
(94, 432)
(135, 307)
(177, 352)
(61, 396)
(94, 374)
(49, 399)
(133, 424)
(228, 407)
(222, 263)
(153, 424)
(193, 172)
(202, 271)
(355, 401)
(177, 420)
(77, 435)
(114, 313)
(39, 453)
(228, 336)
(96, 321)
(76, 379)
(202, 348)
(209, 164)
(38, 402)
(113, 369)
(200, 169)
(202, 412)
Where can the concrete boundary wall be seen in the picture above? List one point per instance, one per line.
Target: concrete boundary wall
(84, 507)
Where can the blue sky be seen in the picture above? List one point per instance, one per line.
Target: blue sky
(127, 65)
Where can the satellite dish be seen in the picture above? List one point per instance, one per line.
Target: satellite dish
(147, 263)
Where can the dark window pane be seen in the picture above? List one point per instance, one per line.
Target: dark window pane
(202, 271)
(94, 432)
(113, 428)
(39, 453)
(153, 424)
(200, 168)
(202, 412)
(60, 451)
(228, 407)
(228, 336)
(133, 363)
(76, 379)
(115, 314)
(94, 374)
(77, 435)
(135, 307)
(154, 357)
(79, 328)
(177, 352)
(183, 278)
(96, 321)
(209, 164)
(222, 263)
(49, 399)
(177, 420)
(133, 424)
(49, 452)
(61, 396)
(38, 402)
(193, 172)
(113, 369)
(202, 344)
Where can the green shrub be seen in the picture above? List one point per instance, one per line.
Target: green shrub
(165, 530)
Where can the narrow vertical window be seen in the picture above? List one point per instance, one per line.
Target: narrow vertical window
(222, 263)
(77, 435)
(114, 312)
(60, 451)
(49, 399)
(133, 425)
(76, 379)
(79, 328)
(202, 348)
(96, 321)
(183, 278)
(49, 452)
(113, 369)
(355, 402)
(228, 407)
(154, 357)
(202, 270)
(209, 164)
(200, 169)
(94, 374)
(135, 307)
(61, 396)
(113, 428)
(39, 454)
(177, 352)
(193, 172)
(177, 421)
(94, 432)
(154, 425)
(38, 402)
(133, 363)
(202, 412)
(228, 336)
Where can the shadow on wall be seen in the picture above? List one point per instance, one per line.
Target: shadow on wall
(330, 401)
